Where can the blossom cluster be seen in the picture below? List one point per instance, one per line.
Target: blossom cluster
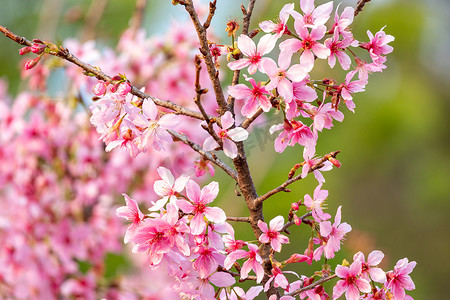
(183, 232)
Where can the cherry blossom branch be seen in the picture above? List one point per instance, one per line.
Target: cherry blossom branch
(239, 219)
(204, 49)
(282, 187)
(360, 6)
(312, 285)
(245, 26)
(290, 223)
(212, 158)
(66, 55)
(199, 92)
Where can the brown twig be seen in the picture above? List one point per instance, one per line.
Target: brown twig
(247, 12)
(207, 155)
(239, 219)
(316, 166)
(212, 10)
(290, 223)
(359, 6)
(66, 55)
(204, 49)
(312, 285)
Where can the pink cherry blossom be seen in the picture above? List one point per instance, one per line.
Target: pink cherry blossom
(280, 27)
(399, 280)
(155, 133)
(350, 87)
(168, 188)
(316, 204)
(207, 261)
(308, 43)
(322, 116)
(227, 135)
(254, 97)
(310, 161)
(369, 270)
(334, 233)
(132, 213)
(254, 54)
(271, 235)
(282, 77)
(337, 48)
(293, 132)
(202, 165)
(313, 16)
(279, 280)
(197, 206)
(254, 262)
(350, 282)
(378, 46)
(342, 22)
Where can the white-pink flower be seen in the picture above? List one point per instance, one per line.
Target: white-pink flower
(254, 97)
(316, 204)
(280, 27)
(369, 271)
(272, 235)
(313, 16)
(254, 262)
(350, 282)
(197, 206)
(399, 280)
(334, 233)
(132, 213)
(253, 55)
(168, 188)
(227, 135)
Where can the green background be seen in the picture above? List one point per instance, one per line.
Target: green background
(394, 180)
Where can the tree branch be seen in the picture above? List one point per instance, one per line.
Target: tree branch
(239, 219)
(66, 55)
(312, 285)
(212, 158)
(282, 187)
(246, 24)
(360, 6)
(212, 10)
(138, 16)
(204, 49)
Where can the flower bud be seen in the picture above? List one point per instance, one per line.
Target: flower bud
(24, 50)
(99, 89)
(295, 206)
(123, 88)
(335, 162)
(297, 220)
(38, 48)
(32, 63)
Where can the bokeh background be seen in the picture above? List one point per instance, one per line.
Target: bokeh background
(394, 183)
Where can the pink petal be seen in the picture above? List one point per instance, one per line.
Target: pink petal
(377, 275)
(307, 58)
(166, 175)
(263, 226)
(193, 191)
(352, 293)
(198, 225)
(375, 257)
(227, 120)
(285, 89)
(210, 144)
(238, 134)
(180, 183)
(342, 272)
(266, 44)
(296, 73)
(239, 91)
(215, 214)
(230, 149)
(209, 192)
(149, 109)
(246, 45)
(222, 279)
(339, 289)
(185, 206)
(307, 6)
(276, 223)
(239, 64)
